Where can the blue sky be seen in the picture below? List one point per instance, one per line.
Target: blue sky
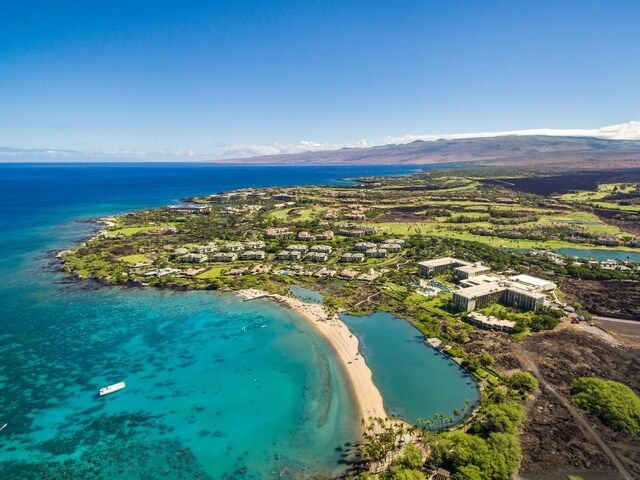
(225, 77)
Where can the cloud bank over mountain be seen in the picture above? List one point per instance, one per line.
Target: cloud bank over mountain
(624, 131)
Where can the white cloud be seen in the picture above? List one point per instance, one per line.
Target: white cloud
(624, 131)
(217, 150)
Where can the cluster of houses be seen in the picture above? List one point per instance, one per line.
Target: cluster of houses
(305, 236)
(317, 253)
(227, 252)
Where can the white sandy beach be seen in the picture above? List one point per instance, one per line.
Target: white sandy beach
(367, 396)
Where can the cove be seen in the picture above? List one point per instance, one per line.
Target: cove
(204, 399)
(415, 380)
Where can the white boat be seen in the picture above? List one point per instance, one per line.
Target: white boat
(111, 388)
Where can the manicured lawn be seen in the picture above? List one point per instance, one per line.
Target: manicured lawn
(211, 273)
(138, 257)
(296, 214)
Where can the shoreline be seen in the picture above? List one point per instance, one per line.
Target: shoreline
(367, 397)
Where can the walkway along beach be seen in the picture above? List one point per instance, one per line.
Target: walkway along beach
(366, 394)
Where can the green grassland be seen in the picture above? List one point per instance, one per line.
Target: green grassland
(211, 273)
(139, 257)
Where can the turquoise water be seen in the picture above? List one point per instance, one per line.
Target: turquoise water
(414, 379)
(204, 399)
(306, 294)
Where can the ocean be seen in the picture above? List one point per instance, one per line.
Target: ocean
(216, 388)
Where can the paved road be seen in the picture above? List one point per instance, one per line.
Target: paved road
(583, 424)
(619, 320)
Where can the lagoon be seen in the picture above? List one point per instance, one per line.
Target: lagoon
(415, 380)
(600, 254)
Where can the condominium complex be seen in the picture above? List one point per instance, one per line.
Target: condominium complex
(481, 289)
(439, 265)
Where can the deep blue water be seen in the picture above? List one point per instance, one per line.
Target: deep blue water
(203, 399)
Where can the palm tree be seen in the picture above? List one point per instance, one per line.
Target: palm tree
(456, 413)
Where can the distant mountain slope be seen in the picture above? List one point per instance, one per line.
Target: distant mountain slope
(512, 150)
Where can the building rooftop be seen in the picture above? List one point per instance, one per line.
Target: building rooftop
(529, 280)
(479, 290)
(475, 267)
(490, 320)
(438, 262)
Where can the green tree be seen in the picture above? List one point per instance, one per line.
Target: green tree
(468, 472)
(503, 418)
(411, 457)
(614, 403)
(485, 359)
(523, 382)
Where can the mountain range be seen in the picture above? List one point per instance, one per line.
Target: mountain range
(510, 150)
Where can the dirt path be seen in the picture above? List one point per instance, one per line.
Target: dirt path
(368, 299)
(529, 364)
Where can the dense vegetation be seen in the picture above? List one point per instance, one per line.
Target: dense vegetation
(614, 403)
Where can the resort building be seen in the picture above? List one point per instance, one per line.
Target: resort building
(504, 292)
(283, 196)
(253, 255)
(317, 257)
(438, 265)
(349, 274)
(194, 258)
(288, 255)
(534, 284)
(220, 197)
(398, 241)
(188, 208)
(298, 248)
(325, 272)
(208, 248)
(255, 245)
(376, 253)
(305, 236)
(321, 249)
(352, 257)
(489, 322)
(273, 232)
(364, 246)
(225, 257)
(326, 235)
(351, 232)
(234, 247)
(391, 247)
(470, 271)
(479, 280)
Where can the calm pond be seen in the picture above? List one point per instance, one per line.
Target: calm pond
(415, 380)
